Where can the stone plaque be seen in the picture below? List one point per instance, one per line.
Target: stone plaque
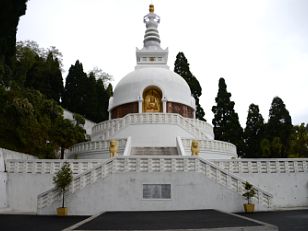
(156, 191)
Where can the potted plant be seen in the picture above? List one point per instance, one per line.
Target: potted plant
(62, 180)
(249, 193)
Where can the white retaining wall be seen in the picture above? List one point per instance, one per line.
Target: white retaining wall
(290, 190)
(123, 192)
(285, 178)
(4, 155)
(153, 170)
(23, 190)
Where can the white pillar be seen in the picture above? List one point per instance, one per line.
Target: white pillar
(140, 104)
(164, 104)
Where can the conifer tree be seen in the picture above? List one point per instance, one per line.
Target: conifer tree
(110, 91)
(86, 94)
(279, 126)
(74, 91)
(10, 11)
(181, 67)
(91, 100)
(226, 122)
(45, 75)
(103, 100)
(253, 132)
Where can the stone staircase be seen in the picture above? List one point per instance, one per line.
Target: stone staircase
(154, 151)
(47, 201)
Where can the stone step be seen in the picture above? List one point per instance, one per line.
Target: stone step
(154, 151)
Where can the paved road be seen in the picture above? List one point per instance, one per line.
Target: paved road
(36, 223)
(295, 220)
(162, 220)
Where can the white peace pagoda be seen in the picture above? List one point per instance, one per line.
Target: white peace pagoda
(152, 111)
(152, 119)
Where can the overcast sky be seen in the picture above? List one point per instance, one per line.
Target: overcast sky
(260, 47)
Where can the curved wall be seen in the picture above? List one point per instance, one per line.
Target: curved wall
(124, 109)
(173, 87)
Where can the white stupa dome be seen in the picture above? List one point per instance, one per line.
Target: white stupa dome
(173, 87)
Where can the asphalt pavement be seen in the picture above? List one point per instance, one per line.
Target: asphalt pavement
(294, 220)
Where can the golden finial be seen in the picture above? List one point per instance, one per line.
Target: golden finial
(151, 9)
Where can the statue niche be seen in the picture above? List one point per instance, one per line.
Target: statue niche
(152, 100)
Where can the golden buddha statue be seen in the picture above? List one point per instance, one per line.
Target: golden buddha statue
(152, 101)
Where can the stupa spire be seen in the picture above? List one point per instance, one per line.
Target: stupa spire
(151, 37)
(151, 53)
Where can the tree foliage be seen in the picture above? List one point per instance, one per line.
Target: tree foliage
(226, 122)
(250, 191)
(299, 141)
(253, 132)
(10, 11)
(29, 123)
(45, 75)
(181, 67)
(65, 134)
(278, 129)
(39, 69)
(86, 94)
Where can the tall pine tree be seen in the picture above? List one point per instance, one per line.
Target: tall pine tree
(74, 91)
(279, 128)
(181, 67)
(91, 99)
(226, 122)
(86, 94)
(253, 132)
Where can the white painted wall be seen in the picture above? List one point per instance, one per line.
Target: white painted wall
(288, 189)
(153, 135)
(123, 192)
(3, 192)
(23, 189)
(91, 155)
(6, 154)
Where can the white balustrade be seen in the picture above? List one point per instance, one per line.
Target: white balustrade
(49, 166)
(155, 164)
(210, 146)
(94, 146)
(198, 128)
(283, 165)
